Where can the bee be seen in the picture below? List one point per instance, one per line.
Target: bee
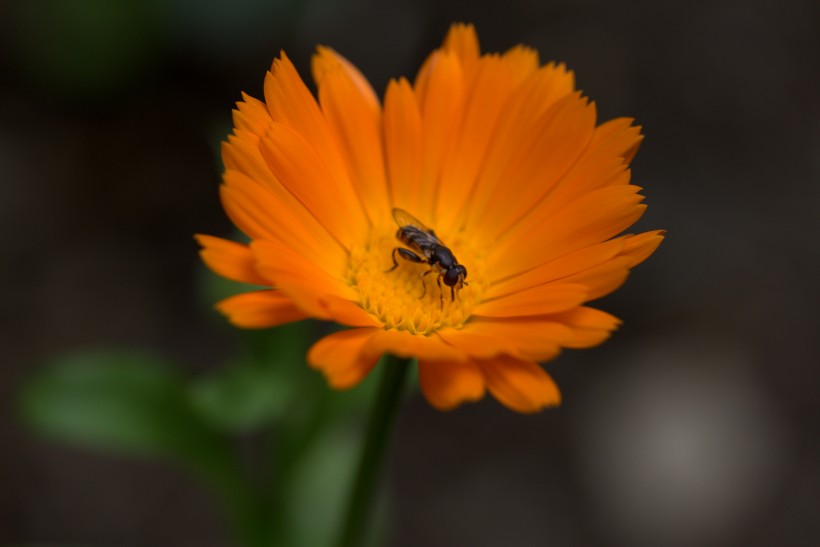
(427, 247)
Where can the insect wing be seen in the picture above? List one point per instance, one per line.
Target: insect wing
(403, 218)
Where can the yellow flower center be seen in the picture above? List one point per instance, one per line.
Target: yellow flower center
(403, 299)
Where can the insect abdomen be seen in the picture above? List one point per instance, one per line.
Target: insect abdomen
(412, 237)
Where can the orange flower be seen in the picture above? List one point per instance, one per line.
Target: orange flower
(496, 153)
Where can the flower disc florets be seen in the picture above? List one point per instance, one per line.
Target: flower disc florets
(402, 299)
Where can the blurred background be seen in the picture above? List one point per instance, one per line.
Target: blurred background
(695, 425)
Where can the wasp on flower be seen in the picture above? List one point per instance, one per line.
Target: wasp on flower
(486, 148)
(424, 241)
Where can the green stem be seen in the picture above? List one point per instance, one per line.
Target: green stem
(378, 436)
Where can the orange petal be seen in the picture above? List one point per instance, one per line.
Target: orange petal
(441, 104)
(446, 385)
(260, 309)
(547, 153)
(587, 338)
(603, 278)
(244, 212)
(601, 165)
(490, 90)
(251, 115)
(591, 219)
(587, 318)
(403, 144)
(356, 124)
(527, 338)
(584, 178)
(589, 326)
(602, 268)
(229, 259)
(341, 358)
(262, 214)
(520, 385)
(241, 153)
(306, 175)
(523, 60)
(318, 291)
(639, 247)
(347, 312)
(462, 40)
(619, 136)
(538, 300)
(291, 103)
(304, 281)
(608, 276)
(523, 120)
(480, 345)
(327, 60)
(608, 211)
(559, 268)
(404, 344)
(542, 90)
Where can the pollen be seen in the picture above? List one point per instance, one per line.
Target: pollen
(402, 299)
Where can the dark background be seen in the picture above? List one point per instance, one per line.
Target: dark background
(696, 425)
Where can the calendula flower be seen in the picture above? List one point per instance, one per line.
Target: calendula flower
(497, 154)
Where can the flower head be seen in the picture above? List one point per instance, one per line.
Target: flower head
(501, 162)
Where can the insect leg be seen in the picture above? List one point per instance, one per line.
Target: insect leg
(393, 256)
(423, 284)
(405, 254)
(409, 255)
(440, 291)
(460, 286)
(452, 294)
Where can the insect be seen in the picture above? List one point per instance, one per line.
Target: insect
(425, 246)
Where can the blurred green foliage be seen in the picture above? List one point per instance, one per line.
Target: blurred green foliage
(129, 402)
(85, 47)
(88, 49)
(139, 404)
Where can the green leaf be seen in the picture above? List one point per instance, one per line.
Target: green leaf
(128, 402)
(283, 348)
(317, 463)
(318, 487)
(241, 398)
(137, 404)
(258, 388)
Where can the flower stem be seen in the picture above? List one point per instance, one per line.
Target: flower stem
(378, 436)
